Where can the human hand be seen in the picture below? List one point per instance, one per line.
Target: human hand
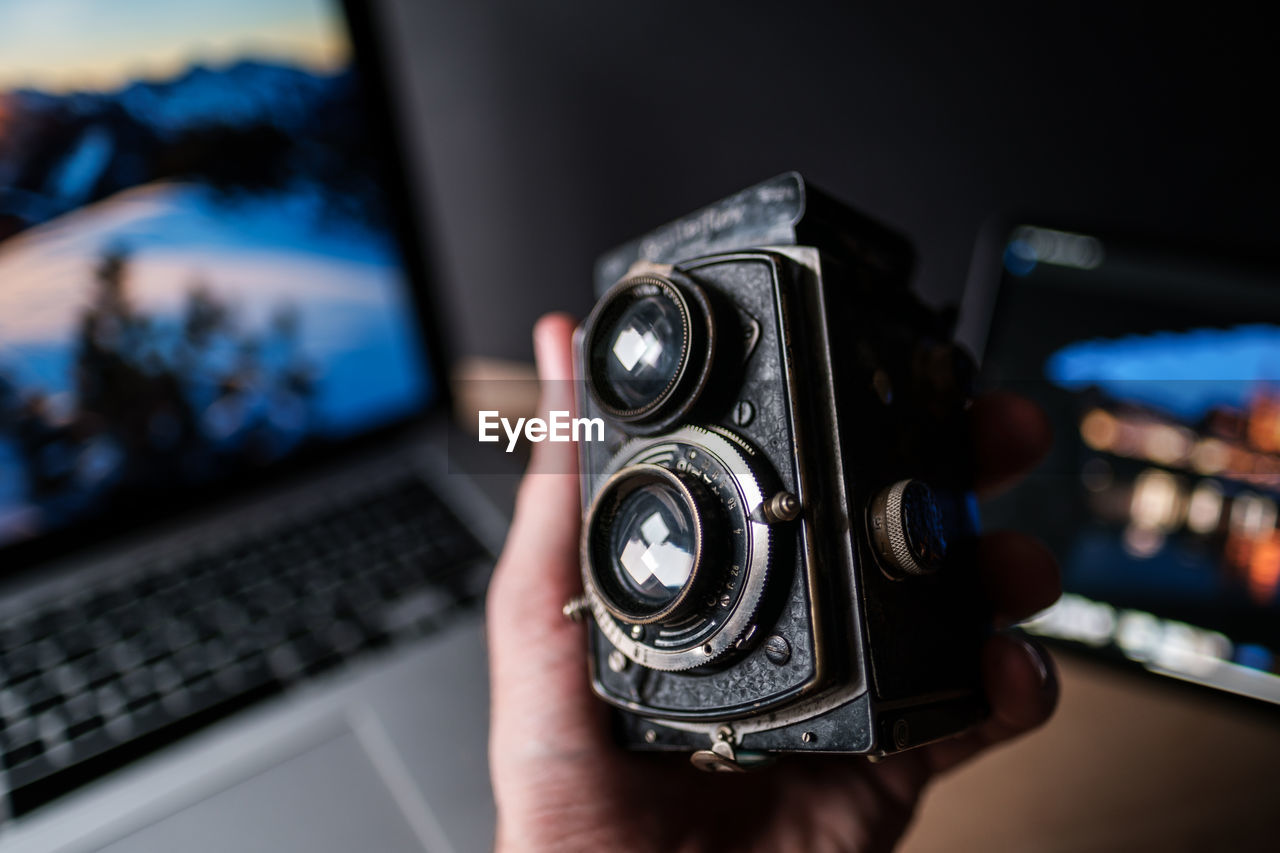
(562, 784)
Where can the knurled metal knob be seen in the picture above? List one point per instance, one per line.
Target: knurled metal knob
(907, 530)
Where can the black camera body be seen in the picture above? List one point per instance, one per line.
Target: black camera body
(777, 545)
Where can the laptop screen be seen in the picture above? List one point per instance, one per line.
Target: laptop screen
(198, 275)
(1161, 374)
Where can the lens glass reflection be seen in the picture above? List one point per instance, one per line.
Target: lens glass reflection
(653, 544)
(645, 348)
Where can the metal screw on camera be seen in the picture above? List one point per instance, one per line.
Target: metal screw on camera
(617, 661)
(777, 649)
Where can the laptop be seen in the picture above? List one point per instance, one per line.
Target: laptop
(239, 572)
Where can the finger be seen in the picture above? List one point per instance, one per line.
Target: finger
(538, 570)
(553, 350)
(1019, 574)
(1010, 434)
(1022, 689)
(547, 511)
(552, 347)
(541, 701)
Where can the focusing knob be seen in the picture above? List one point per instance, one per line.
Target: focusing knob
(907, 529)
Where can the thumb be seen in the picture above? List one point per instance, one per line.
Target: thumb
(547, 515)
(541, 698)
(538, 570)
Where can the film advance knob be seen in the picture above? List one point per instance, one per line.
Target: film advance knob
(906, 529)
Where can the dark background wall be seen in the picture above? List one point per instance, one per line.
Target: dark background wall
(551, 131)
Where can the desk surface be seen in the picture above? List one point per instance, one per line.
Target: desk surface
(1126, 763)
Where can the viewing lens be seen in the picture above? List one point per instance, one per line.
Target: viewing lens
(653, 544)
(649, 348)
(646, 347)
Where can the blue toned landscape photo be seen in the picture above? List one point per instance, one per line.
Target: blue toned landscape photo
(196, 272)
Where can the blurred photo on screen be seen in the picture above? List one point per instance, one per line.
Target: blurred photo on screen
(197, 274)
(1161, 375)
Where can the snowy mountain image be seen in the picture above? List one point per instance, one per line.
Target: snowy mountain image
(196, 279)
(72, 148)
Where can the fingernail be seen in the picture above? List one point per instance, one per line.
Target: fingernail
(1037, 654)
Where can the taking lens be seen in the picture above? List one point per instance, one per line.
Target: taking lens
(653, 544)
(648, 349)
(645, 535)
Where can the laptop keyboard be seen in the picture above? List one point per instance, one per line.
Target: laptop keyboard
(90, 683)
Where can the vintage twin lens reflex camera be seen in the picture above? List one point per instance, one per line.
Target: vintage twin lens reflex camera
(777, 544)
